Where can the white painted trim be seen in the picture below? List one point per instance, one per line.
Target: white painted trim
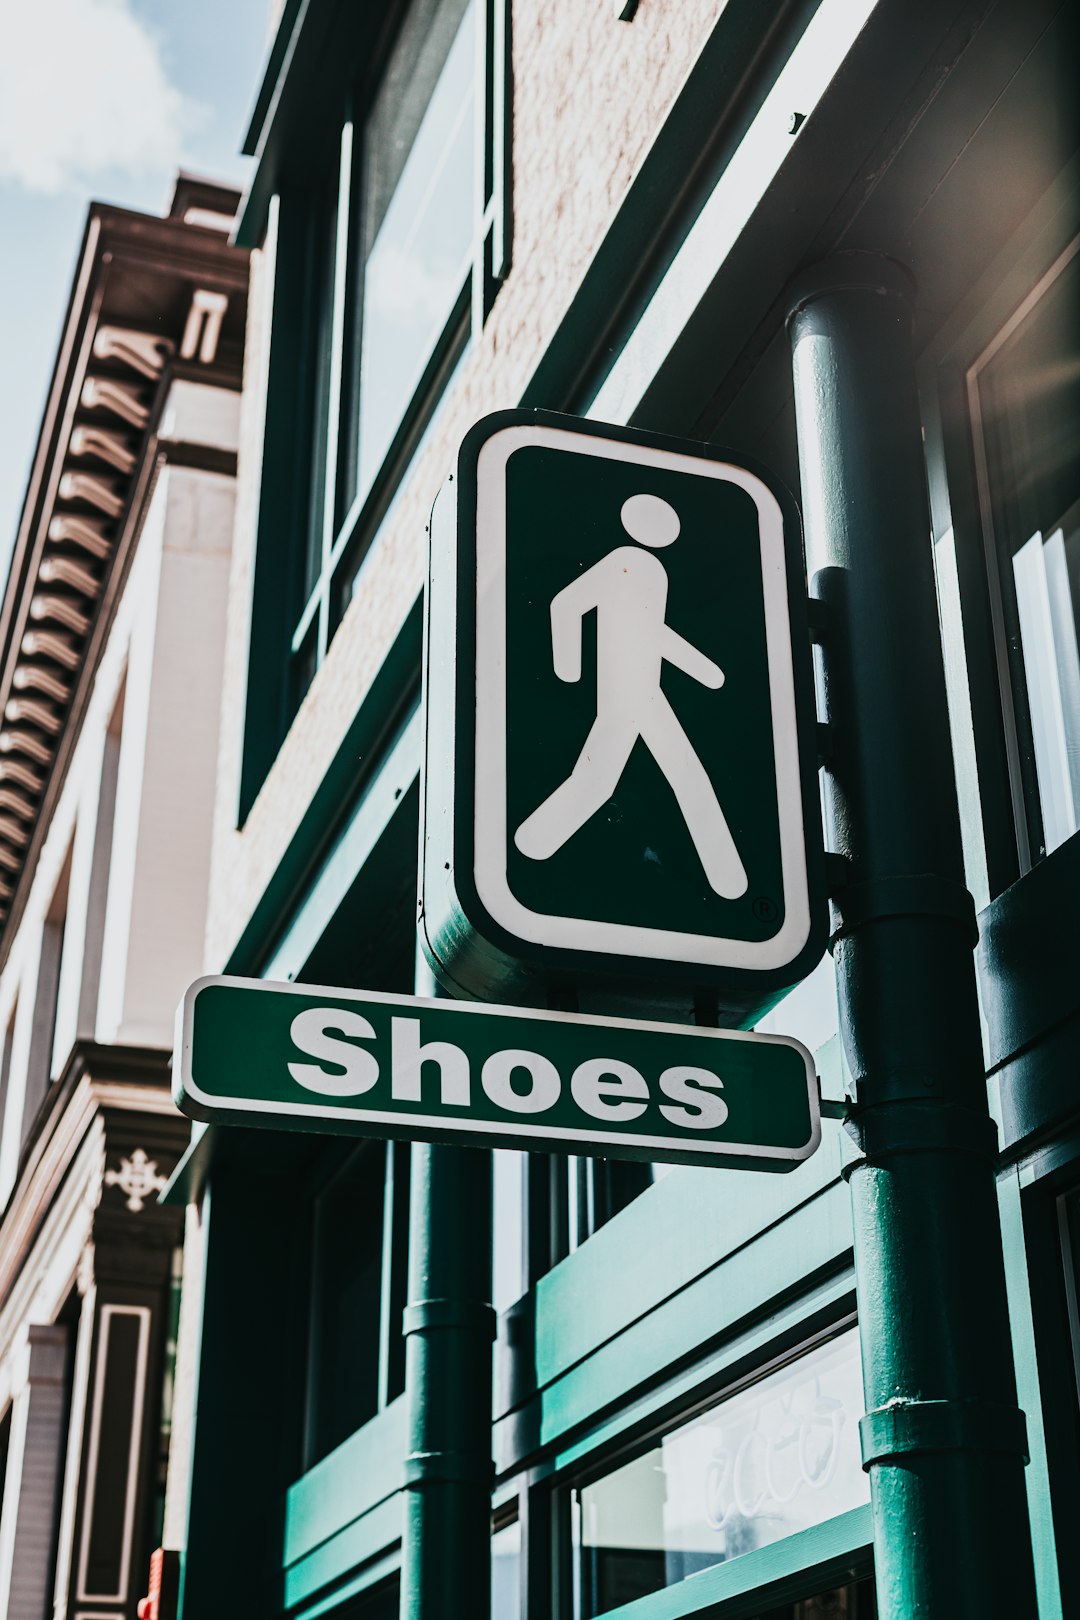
(138, 1399)
(746, 180)
(20, 1413)
(490, 838)
(518, 1130)
(40, 1256)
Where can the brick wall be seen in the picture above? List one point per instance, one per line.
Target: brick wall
(590, 94)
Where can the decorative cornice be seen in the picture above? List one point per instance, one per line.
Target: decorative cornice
(113, 1069)
(153, 300)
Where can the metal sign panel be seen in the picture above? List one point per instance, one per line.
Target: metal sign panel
(620, 775)
(300, 1057)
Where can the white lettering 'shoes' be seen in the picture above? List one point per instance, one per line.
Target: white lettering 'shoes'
(604, 1088)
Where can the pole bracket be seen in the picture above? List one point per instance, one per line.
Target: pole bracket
(471, 1314)
(820, 618)
(922, 894)
(918, 1125)
(447, 1468)
(837, 872)
(905, 1428)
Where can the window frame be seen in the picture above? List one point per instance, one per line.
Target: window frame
(1026, 799)
(841, 1542)
(957, 471)
(337, 1162)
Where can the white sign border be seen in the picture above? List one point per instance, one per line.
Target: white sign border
(662, 1147)
(489, 823)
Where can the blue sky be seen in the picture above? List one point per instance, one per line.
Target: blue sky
(105, 100)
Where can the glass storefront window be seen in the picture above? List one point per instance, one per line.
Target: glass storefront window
(506, 1572)
(766, 1461)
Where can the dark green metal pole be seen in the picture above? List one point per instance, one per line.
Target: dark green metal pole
(449, 1328)
(943, 1439)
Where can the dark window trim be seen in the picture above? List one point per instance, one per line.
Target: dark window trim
(391, 1161)
(946, 371)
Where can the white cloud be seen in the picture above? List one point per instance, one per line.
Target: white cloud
(83, 91)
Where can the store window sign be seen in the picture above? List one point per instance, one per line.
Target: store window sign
(298, 1057)
(771, 1460)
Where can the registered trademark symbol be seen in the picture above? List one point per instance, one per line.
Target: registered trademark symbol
(764, 908)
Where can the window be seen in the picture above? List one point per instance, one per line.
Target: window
(356, 1362)
(775, 1457)
(391, 242)
(413, 240)
(506, 1571)
(1024, 398)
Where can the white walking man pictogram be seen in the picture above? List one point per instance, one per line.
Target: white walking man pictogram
(629, 589)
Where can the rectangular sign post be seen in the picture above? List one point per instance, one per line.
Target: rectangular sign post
(298, 1057)
(621, 763)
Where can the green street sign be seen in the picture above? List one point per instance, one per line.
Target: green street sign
(299, 1057)
(621, 761)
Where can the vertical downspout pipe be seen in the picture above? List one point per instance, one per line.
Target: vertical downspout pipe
(943, 1439)
(449, 1330)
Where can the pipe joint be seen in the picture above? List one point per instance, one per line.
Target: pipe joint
(471, 1314)
(889, 1130)
(907, 1428)
(447, 1468)
(921, 895)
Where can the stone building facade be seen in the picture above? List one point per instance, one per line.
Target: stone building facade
(111, 649)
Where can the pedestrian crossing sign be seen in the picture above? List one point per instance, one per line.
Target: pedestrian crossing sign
(620, 777)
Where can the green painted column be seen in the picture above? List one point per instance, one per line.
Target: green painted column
(943, 1439)
(449, 1328)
